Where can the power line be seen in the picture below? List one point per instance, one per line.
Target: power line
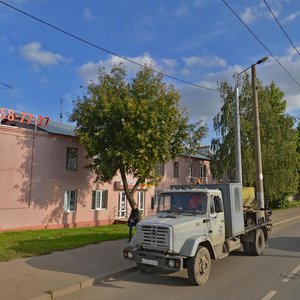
(291, 76)
(281, 27)
(103, 49)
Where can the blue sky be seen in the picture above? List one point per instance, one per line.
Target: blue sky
(200, 41)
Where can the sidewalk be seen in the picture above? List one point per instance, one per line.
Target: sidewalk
(62, 272)
(51, 276)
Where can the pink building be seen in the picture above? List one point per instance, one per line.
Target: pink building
(185, 170)
(44, 182)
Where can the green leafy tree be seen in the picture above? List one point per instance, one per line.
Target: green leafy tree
(278, 140)
(132, 126)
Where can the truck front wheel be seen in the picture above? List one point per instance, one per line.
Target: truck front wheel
(199, 267)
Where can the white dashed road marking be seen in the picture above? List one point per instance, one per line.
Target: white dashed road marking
(292, 274)
(269, 295)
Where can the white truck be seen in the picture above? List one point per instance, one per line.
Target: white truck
(195, 224)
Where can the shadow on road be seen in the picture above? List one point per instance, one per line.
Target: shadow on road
(285, 243)
(154, 278)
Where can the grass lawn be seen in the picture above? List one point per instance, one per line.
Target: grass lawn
(38, 242)
(294, 203)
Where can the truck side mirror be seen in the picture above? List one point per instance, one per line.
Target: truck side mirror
(218, 204)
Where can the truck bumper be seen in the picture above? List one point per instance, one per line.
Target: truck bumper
(156, 259)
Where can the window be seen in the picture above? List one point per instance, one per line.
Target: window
(71, 159)
(122, 209)
(141, 202)
(176, 169)
(202, 171)
(99, 199)
(191, 170)
(70, 201)
(161, 169)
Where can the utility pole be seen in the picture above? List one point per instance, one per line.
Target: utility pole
(257, 143)
(239, 177)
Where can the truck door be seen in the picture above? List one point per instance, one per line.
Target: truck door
(217, 220)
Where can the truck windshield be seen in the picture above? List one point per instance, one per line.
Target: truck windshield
(186, 202)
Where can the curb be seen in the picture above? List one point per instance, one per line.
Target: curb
(53, 294)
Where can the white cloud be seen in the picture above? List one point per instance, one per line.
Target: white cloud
(88, 71)
(38, 57)
(273, 72)
(292, 51)
(249, 15)
(204, 61)
(168, 65)
(88, 15)
(291, 17)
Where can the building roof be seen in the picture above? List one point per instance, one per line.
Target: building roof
(52, 127)
(198, 156)
(59, 128)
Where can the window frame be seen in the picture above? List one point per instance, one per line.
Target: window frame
(202, 171)
(191, 170)
(102, 201)
(141, 200)
(161, 170)
(72, 154)
(67, 201)
(176, 169)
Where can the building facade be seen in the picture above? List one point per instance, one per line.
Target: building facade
(44, 182)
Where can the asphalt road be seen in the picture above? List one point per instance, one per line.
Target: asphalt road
(275, 275)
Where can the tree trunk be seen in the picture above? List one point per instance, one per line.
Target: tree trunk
(129, 193)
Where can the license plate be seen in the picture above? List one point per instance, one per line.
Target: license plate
(149, 262)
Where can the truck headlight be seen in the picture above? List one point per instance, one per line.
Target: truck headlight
(129, 255)
(171, 263)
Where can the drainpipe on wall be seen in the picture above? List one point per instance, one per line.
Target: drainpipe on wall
(31, 169)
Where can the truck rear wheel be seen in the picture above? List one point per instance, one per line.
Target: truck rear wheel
(247, 249)
(258, 246)
(199, 267)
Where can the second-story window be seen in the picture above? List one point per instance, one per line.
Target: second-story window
(161, 170)
(71, 159)
(191, 171)
(176, 169)
(202, 171)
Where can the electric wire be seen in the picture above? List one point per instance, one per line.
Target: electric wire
(103, 49)
(256, 37)
(281, 27)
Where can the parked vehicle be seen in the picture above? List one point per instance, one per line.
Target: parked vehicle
(195, 224)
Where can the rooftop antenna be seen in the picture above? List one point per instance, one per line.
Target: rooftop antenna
(61, 108)
(10, 88)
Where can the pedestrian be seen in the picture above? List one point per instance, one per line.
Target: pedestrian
(134, 218)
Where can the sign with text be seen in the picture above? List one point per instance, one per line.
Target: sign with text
(23, 117)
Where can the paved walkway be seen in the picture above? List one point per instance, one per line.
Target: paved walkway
(50, 276)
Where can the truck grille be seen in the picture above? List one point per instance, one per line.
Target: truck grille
(153, 237)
